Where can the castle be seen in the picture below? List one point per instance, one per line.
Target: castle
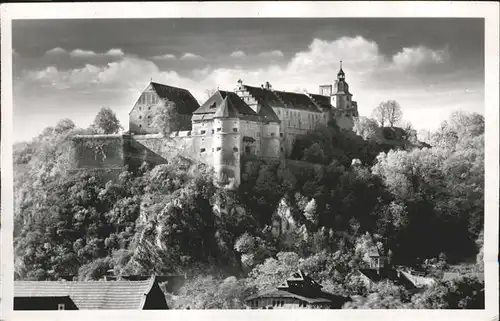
(249, 121)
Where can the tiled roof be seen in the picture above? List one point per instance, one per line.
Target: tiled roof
(185, 103)
(388, 274)
(322, 101)
(275, 293)
(264, 96)
(296, 100)
(90, 295)
(232, 106)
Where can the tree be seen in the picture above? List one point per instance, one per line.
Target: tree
(366, 127)
(388, 112)
(106, 122)
(166, 119)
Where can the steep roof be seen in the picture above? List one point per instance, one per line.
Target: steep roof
(297, 101)
(225, 104)
(90, 295)
(185, 103)
(388, 274)
(373, 252)
(322, 101)
(282, 99)
(264, 96)
(276, 293)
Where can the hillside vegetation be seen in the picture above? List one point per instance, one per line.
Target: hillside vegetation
(414, 204)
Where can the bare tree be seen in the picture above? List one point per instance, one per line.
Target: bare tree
(388, 112)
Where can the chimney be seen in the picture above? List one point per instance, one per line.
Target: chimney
(325, 90)
(268, 85)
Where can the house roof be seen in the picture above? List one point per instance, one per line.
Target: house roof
(321, 101)
(185, 103)
(90, 295)
(224, 104)
(297, 100)
(276, 293)
(264, 96)
(388, 274)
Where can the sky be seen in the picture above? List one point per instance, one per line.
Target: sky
(72, 68)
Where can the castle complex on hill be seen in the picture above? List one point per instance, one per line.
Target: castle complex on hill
(250, 121)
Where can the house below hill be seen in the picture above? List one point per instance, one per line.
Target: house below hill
(89, 295)
(299, 291)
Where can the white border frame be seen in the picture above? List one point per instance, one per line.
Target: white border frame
(487, 10)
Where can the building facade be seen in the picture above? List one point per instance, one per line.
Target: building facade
(299, 291)
(249, 122)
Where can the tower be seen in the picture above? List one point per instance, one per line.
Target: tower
(226, 143)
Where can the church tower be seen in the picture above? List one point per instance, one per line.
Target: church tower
(344, 108)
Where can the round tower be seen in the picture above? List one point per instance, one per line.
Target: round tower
(227, 144)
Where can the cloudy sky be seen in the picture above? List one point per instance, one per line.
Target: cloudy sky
(72, 68)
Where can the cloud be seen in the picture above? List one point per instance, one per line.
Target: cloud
(274, 53)
(190, 56)
(164, 57)
(237, 54)
(417, 56)
(116, 52)
(80, 53)
(56, 51)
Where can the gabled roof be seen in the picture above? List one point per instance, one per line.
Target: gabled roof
(225, 104)
(264, 96)
(282, 99)
(185, 103)
(388, 274)
(90, 295)
(276, 293)
(322, 101)
(297, 101)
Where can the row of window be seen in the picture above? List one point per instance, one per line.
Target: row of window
(149, 98)
(140, 108)
(296, 114)
(235, 149)
(203, 132)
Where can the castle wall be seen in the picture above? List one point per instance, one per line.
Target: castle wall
(270, 141)
(98, 151)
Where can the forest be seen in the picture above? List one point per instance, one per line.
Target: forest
(421, 205)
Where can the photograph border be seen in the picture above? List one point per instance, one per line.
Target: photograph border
(400, 9)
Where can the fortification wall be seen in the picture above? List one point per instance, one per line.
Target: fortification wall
(98, 151)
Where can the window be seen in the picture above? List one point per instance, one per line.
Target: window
(281, 134)
(235, 149)
(60, 306)
(140, 125)
(305, 304)
(203, 132)
(149, 108)
(235, 130)
(300, 304)
(149, 117)
(213, 131)
(212, 150)
(218, 148)
(281, 148)
(274, 303)
(282, 303)
(218, 129)
(202, 150)
(140, 117)
(272, 134)
(140, 108)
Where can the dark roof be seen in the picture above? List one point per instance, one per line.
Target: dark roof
(297, 101)
(264, 96)
(322, 101)
(276, 293)
(90, 295)
(184, 102)
(225, 104)
(388, 274)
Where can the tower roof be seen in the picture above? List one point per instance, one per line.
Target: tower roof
(341, 72)
(225, 104)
